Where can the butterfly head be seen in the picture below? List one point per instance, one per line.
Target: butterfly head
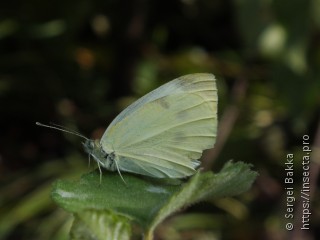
(90, 146)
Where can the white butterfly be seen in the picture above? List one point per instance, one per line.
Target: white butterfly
(162, 134)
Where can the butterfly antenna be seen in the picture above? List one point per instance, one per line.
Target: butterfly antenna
(119, 172)
(63, 129)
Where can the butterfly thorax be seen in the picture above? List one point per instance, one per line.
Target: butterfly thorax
(94, 148)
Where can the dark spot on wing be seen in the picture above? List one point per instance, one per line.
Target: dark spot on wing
(163, 103)
(183, 82)
(182, 115)
(178, 136)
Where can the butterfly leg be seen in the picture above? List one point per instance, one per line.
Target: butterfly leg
(100, 172)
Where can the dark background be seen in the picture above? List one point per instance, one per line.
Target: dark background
(79, 63)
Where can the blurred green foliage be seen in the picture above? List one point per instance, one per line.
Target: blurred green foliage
(79, 63)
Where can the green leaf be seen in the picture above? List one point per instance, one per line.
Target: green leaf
(94, 224)
(147, 201)
(233, 179)
(138, 199)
